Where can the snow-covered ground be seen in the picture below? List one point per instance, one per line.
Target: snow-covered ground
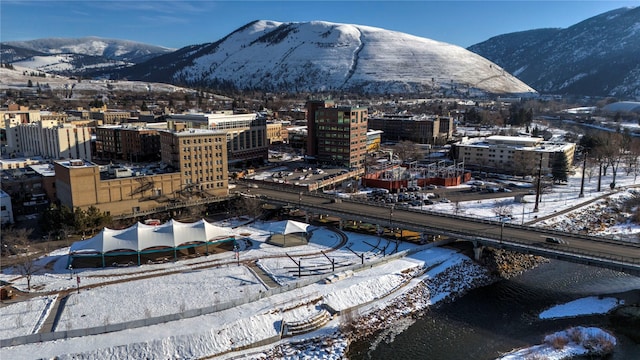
(567, 344)
(123, 294)
(17, 80)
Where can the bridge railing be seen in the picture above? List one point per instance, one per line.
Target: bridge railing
(550, 232)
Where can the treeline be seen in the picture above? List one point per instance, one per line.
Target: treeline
(62, 221)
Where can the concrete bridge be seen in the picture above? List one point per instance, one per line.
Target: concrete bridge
(603, 252)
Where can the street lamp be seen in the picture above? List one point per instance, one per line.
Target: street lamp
(501, 228)
(299, 199)
(390, 221)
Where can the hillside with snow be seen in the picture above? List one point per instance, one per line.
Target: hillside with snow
(17, 79)
(598, 56)
(70, 56)
(110, 49)
(324, 56)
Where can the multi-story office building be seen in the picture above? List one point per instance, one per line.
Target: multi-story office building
(511, 154)
(337, 135)
(419, 129)
(201, 157)
(130, 143)
(246, 134)
(196, 167)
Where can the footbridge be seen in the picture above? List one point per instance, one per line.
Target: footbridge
(619, 255)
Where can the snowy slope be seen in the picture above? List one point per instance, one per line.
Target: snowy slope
(111, 49)
(598, 56)
(322, 56)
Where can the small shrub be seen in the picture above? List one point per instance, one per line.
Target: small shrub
(557, 341)
(575, 335)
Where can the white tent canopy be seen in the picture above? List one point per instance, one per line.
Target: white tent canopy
(140, 237)
(288, 227)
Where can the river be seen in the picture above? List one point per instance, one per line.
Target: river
(491, 320)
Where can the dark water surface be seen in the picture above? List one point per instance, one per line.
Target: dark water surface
(498, 318)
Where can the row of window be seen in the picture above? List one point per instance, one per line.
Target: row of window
(217, 185)
(199, 156)
(202, 148)
(206, 163)
(205, 178)
(201, 140)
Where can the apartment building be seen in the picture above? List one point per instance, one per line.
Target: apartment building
(511, 154)
(53, 140)
(12, 116)
(337, 135)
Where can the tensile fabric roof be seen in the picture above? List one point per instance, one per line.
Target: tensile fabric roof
(140, 237)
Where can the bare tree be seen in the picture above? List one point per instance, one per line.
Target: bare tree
(613, 149)
(250, 206)
(408, 150)
(502, 208)
(25, 256)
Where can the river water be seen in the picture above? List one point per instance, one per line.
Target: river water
(503, 316)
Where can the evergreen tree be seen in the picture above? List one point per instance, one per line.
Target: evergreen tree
(560, 167)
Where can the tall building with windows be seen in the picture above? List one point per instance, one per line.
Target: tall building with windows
(201, 157)
(50, 139)
(511, 154)
(421, 129)
(194, 167)
(337, 135)
(247, 142)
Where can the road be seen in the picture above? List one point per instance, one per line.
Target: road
(456, 226)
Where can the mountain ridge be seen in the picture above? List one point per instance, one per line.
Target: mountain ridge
(597, 56)
(324, 56)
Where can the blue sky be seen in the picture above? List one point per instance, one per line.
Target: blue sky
(176, 24)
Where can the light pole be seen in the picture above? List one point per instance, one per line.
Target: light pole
(535, 208)
(299, 200)
(501, 228)
(391, 221)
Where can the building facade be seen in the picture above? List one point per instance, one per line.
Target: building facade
(82, 184)
(53, 140)
(6, 211)
(511, 154)
(419, 129)
(201, 157)
(247, 142)
(195, 167)
(337, 135)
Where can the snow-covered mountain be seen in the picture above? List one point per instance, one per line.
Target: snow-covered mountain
(323, 56)
(599, 56)
(77, 56)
